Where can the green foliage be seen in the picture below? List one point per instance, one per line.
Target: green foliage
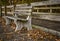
(4, 2)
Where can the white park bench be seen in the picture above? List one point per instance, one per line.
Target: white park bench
(21, 17)
(23, 14)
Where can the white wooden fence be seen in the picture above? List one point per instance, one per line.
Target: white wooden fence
(49, 13)
(23, 12)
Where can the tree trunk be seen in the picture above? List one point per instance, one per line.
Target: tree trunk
(0, 11)
(5, 10)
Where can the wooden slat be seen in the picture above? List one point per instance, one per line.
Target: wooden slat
(10, 6)
(47, 8)
(23, 10)
(8, 12)
(49, 2)
(39, 13)
(27, 7)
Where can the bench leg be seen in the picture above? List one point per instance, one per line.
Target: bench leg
(28, 24)
(20, 26)
(15, 21)
(7, 21)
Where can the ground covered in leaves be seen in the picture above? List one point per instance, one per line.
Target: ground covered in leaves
(7, 33)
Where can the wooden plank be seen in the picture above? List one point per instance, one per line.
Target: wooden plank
(27, 7)
(10, 17)
(39, 13)
(45, 13)
(23, 10)
(47, 8)
(10, 6)
(49, 2)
